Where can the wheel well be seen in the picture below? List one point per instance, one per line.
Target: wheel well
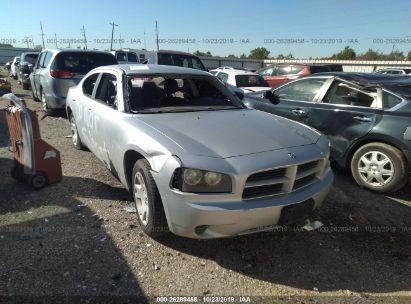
(356, 146)
(68, 111)
(130, 158)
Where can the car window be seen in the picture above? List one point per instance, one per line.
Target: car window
(284, 70)
(342, 93)
(107, 90)
(243, 81)
(223, 77)
(180, 60)
(121, 56)
(171, 93)
(132, 57)
(296, 69)
(47, 59)
(82, 62)
(268, 71)
(89, 83)
(390, 100)
(301, 90)
(319, 69)
(40, 60)
(31, 58)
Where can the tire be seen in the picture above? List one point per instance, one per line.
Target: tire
(34, 96)
(44, 101)
(25, 86)
(38, 180)
(371, 159)
(149, 207)
(77, 143)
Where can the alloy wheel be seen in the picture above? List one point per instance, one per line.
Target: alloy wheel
(141, 198)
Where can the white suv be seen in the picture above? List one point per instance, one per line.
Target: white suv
(247, 81)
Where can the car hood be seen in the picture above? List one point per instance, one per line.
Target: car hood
(229, 133)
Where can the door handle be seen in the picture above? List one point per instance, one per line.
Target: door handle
(362, 118)
(298, 112)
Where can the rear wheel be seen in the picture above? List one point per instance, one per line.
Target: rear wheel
(147, 199)
(25, 86)
(380, 167)
(77, 143)
(44, 101)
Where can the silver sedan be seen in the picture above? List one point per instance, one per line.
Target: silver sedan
(198, 163)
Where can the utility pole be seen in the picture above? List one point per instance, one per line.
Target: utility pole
(112, 34)
(42, 34)
(83, 31)
(145, 46)
(55, 40)
(120, 42)
(158, 48)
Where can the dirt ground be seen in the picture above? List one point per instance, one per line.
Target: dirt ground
(74, 241)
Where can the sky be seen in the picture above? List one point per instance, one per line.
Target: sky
(305, 28)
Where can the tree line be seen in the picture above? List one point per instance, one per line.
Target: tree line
(347, 53)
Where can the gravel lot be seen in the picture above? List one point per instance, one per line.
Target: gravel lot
(74, 238)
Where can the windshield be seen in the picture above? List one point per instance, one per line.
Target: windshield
(180, 60)
(171, 93)
(243, 81)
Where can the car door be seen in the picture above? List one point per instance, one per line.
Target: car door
(83, 106)
(345, 114)
(294, 98)
(101, 116)
(35, 75)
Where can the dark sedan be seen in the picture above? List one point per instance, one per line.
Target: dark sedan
(367, 118)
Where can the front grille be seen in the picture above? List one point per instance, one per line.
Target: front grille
(267, 175)
(255, 192)
(307, 166)
(281, 180)
(305, 181)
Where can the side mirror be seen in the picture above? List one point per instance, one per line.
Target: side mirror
(271, 97)
(16, 63)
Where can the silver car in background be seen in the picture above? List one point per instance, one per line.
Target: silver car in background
(198, 163)
(57, 70)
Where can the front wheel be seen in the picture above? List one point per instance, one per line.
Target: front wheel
(147, 199)
(380, 167)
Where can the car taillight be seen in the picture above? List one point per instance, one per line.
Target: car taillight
(61, 74)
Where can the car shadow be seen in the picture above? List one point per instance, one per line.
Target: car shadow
(58, 246)
(365, 241)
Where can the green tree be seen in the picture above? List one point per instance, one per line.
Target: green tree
(206, 54)
(346, 54)
(232, 56)
(5, 45)
(371, 55)
(243, 56)
(259, 53)
(409, 55)
(38, 47)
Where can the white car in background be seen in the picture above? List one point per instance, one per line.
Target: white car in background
(399, 71)
(247, 81)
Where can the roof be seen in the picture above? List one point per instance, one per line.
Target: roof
(75, 51)
(155, 69)
(175, 52)
(366, 79)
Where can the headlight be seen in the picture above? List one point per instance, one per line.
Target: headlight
(192, 177)
(201, 181)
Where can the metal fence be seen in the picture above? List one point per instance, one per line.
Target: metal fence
(365, 66)
(7, 54)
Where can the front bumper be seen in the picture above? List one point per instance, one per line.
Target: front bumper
(205, 216)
